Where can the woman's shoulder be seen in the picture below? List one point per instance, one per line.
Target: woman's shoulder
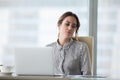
(51, 44)
(79, 43)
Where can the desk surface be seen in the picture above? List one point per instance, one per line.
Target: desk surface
(31, 78)
(49, 78)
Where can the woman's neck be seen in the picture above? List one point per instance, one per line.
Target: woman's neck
(63, 41)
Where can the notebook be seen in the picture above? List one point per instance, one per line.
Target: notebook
(33, 61)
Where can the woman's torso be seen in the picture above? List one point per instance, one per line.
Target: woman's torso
(68, 59)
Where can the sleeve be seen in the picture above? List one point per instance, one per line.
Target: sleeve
(85, 61)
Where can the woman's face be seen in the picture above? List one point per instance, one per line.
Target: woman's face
(68, 27)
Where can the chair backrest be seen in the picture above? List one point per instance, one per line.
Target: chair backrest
(90, 42)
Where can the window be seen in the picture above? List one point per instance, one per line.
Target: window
(34, 23)
(108, 38)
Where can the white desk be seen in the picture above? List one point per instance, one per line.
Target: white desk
(30, 78)
(46, 78)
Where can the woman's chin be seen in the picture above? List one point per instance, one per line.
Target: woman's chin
(68, 36)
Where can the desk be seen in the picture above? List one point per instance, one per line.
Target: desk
(31, 78)
(46, 78)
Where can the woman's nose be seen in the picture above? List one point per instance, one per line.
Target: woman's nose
(70, 27)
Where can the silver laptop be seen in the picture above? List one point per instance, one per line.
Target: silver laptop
(33, 61)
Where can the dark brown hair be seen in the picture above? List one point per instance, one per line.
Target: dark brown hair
(66, 14)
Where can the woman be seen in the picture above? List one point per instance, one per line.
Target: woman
(71, 57)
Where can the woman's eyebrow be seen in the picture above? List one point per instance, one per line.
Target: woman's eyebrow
(67, 21)
(72, 24)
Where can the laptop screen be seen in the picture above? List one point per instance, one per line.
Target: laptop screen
(34, 61)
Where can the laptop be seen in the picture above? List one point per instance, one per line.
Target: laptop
(33, 61)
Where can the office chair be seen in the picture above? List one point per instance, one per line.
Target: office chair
(90, 42)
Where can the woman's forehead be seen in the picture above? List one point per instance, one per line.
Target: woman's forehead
(70, 19)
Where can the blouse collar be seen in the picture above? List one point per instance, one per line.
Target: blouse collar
(66, 46)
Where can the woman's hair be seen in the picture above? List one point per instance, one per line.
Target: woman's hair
(66, 14)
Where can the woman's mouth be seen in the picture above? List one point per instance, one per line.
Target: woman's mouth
(68, 32)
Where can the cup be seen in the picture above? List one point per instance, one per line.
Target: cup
(6, 68)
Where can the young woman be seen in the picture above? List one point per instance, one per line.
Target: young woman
(71, 57)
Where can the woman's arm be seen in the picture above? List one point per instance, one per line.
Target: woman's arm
(86, 61)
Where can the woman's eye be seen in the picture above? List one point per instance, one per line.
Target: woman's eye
(67, 24)
(73, 26)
